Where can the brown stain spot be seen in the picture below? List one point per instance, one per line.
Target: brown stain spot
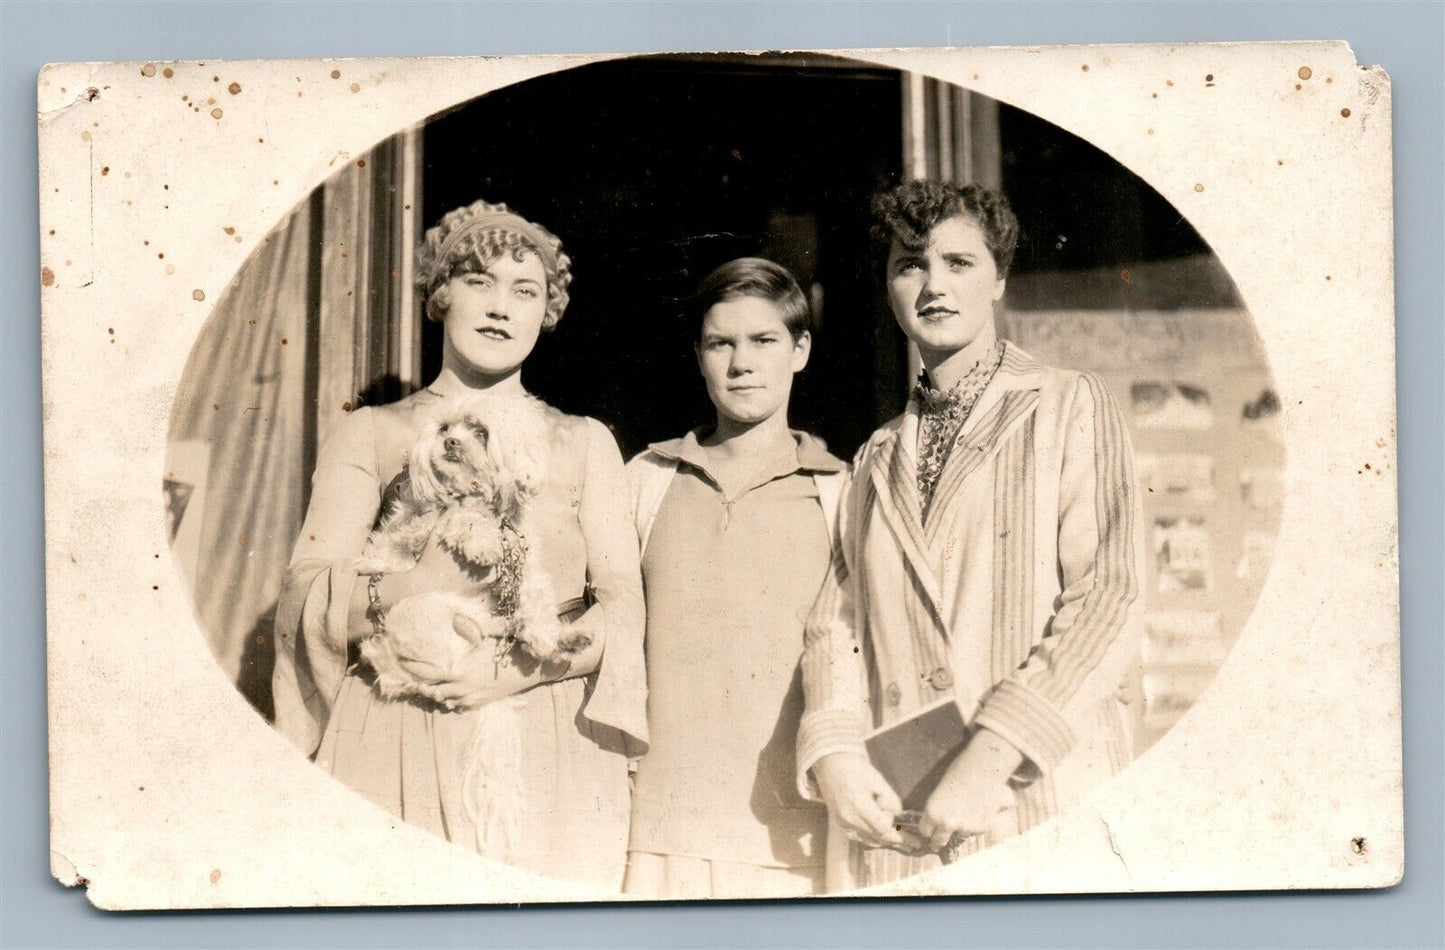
(110, 330)
(1153, 95)
(1085, 67)
(1329, 79)
(155, 587)
(1279, 161)
(52, 230)
(356, 87)
(168, 72)
(1168, 82)
(243, 540)
(215, 79)
(161, 256)
(335, 74)
(1150, 131)
(1327, 277)
(234, 89)
(216, 113)
(1198, 186)
(198, 294)
(1345, 113)
(215, 875)
(1367, 466)
(47, 277)
(229, 230)
(238, 239)
(1359, 845)
(104, 170)
(361, 163)
(283, 341)
(85, 136)
(148, 70)
(345, 407)
(1125, 276)
(1298, 87)
(1305, 72)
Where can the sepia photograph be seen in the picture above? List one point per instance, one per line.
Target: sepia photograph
(735, 475)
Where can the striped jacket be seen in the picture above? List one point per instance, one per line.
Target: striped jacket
(1018, 595)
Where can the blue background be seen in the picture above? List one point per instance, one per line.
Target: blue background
(1406, 38)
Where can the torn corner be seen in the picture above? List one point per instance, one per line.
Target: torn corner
(59, 87)
(64, 871)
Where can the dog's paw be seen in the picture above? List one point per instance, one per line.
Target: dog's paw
(477, 540)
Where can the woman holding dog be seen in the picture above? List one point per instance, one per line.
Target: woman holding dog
(496, 282)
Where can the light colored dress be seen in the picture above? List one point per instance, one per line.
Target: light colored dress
(730, 579)
(577, 734)
(1016, 594)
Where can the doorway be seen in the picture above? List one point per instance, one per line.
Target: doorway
(655, 171)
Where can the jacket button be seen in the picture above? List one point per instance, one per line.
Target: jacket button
(893, 695)
(941, 679)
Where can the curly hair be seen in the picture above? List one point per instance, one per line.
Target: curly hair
(468, 239)
(907, 213)
(753, 277)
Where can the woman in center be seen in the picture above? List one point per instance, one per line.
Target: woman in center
(735, 522)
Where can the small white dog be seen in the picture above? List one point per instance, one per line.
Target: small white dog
(469, 480)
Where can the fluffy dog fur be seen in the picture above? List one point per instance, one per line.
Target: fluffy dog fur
(470, 477)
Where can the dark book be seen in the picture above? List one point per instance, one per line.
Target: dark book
(914, 754)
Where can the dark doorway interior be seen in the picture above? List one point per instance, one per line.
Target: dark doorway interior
(655, 171)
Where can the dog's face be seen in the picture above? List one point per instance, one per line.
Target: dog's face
(490, 446)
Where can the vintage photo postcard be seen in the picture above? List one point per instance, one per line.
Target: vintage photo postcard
(720, 475)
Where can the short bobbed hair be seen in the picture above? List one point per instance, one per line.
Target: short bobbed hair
(909, 212)
(752, 277)
(443, 256)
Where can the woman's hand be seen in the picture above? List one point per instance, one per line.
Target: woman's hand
(860, 798)
(973, 791)
(484, 676)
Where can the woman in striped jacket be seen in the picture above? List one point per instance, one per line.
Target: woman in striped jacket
(989, 556)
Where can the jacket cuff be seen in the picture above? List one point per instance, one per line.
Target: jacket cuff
(823, 733)
(1031, 723)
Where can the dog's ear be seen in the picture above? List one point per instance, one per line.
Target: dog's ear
(425, 487)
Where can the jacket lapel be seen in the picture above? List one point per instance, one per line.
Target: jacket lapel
(1008, 399)
(893, 471)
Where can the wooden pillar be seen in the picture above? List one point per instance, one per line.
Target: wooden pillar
(950, 135)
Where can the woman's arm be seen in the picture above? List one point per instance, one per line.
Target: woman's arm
(609, 531)
(314, 612)
(833, 764)
(1026, 725)
(1092, 637)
